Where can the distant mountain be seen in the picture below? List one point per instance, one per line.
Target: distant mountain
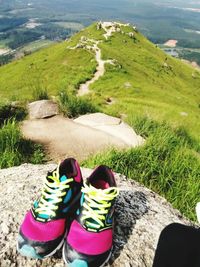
(159, 20)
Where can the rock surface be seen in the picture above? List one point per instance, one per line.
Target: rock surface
(82, 137)
(42, 109)
(97, 120)
(64, 138)
(113, 126)
(140, 216)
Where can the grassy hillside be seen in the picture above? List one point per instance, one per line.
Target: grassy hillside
(144, 79)
(52, 68)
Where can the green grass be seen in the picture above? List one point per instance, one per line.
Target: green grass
(72, 106)
(168, 163)
(9, 111)
(52, 68)
(40, 93)
(14, 150)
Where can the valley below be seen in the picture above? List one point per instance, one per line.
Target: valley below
(24, 30)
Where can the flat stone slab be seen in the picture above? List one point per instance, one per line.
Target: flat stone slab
(82, 137)
(140, 217)
(63, 137)
(97, 119)
(113, 126)
(42, 109)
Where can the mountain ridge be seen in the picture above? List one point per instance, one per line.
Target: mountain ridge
(143, 79)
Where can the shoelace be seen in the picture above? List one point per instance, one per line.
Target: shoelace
(98, 203)
(52, 191)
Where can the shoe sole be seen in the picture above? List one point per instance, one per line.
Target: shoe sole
(68, 264)
(30, 252)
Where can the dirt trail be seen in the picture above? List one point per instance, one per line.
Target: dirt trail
(91, 44)
(84, 88)
(109, 28)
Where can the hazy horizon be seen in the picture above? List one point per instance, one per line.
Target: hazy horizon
(158, 20)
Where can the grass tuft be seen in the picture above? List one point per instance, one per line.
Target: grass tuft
(40, 94)
(14, 150)
(8, 111)
(73, 106)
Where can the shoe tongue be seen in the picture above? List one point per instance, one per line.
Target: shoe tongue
(67, 168)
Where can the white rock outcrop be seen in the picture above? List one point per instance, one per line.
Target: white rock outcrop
(42, 109)
(112, 126)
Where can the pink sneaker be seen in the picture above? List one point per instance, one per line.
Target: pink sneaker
(90, 238)
(42, 231)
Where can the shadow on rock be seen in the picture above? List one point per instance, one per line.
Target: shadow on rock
(130, 207)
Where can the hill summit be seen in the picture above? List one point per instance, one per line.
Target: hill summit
(122, 71)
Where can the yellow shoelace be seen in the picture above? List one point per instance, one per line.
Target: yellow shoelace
(98, 203)
(53, 191)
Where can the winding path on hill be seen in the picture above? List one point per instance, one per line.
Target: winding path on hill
(84, 88)
(109, 29)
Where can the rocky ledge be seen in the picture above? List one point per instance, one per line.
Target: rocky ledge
(140, 216)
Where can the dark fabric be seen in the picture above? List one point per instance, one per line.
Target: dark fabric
(178, 246)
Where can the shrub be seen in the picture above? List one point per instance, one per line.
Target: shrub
(73, 106)
(8, 111)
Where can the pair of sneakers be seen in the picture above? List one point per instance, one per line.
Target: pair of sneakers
(72, 213)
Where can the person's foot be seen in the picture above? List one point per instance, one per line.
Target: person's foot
(90, 238)
(42, 231)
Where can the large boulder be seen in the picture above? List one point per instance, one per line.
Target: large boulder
(140, 216)
(42, 109)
